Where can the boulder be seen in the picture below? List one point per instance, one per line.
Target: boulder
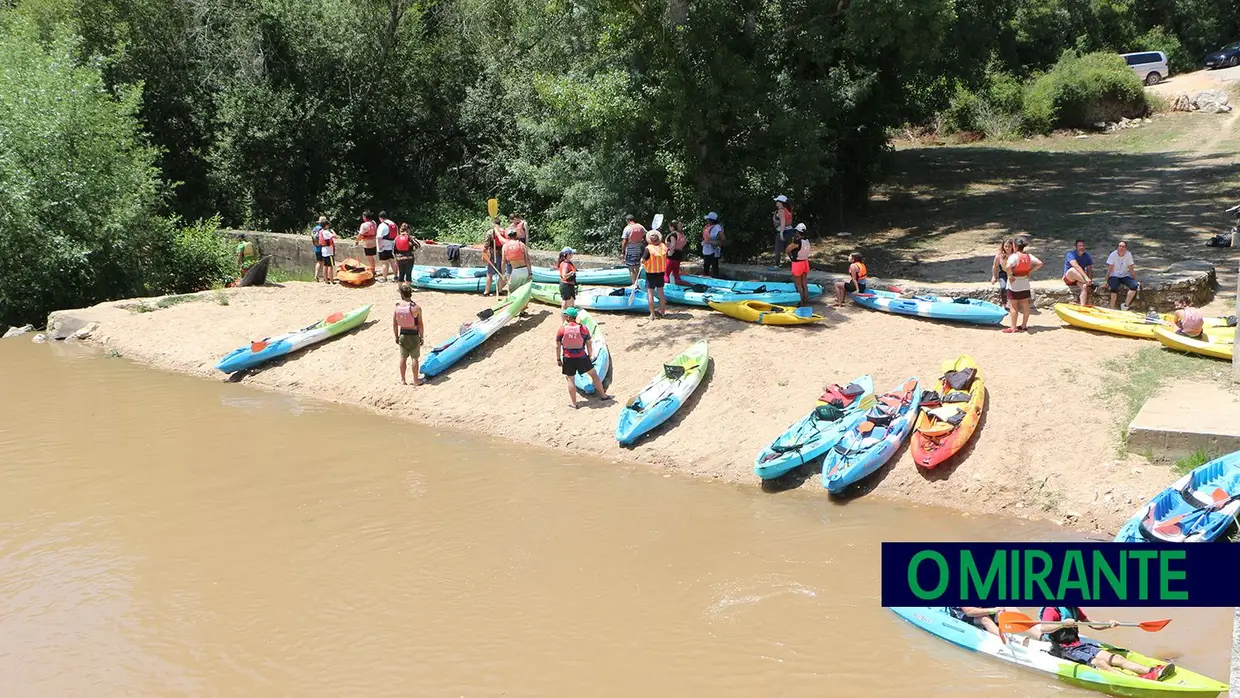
(64, 326)
(85, 332)
(39, 338)
(1180, 102)
(15, 331)
(1211, 101)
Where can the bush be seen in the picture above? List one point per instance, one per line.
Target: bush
(184, 259)
(1159, 39)
(1081, 91)
(995, 110)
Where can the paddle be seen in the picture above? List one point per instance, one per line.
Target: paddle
(657, 222)
(492, 207)
(1013, 622)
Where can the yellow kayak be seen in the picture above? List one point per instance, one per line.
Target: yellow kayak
(765, 313)
(1219, 342)
(1121, 322)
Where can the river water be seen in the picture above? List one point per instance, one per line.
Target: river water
(163, 535)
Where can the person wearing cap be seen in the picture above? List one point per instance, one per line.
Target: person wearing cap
(573, 349)
(318, 249)
(782, 218)
(654, 261)
(712, 244)
(492, 254)
(676, 243)
(798, 253)
(517, 256)
(632, 242)
(568, 277)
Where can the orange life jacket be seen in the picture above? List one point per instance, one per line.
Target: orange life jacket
(405, 318)
(861, 271)
(657, 262)
(1024, 264)
(785, 216)
(573, 338)
(568, 272)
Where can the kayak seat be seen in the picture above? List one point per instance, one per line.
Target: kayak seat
(441, 273)
(618, 292)
(956, 396)
(480, 273)
(699, 288)
(960, 380)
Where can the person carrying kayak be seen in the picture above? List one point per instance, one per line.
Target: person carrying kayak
(984, 618)
(782, 218)
(327, 250)
(517, 256)
(632, 242)
(386, 236)
(712, 245)
(654, 260)
(568, 277)
(318, 249)
(404, 247)
(367, 237)
(798, 253)
(857, 275)
(1020, 265)
(1189, 320)
(247, 255)
(492, 254)
(1059, 626)
(573, 348)
(676, 244)
(409, 332)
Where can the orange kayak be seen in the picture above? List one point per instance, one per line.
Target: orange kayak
(351, 272)
(943, 428)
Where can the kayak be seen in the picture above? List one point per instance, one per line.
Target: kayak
(1036, 656)
(285, 344)
(457, 279)
(601, 360)
(617, 299)
(815, 290)
(815, 433)
(1198, 508)
(610, 276)
(475, 333)
(933, 307)
(1122, 322)
(667, 393)
(944, 426)
(351, 272)
(701, 296)
(765, 313)
(1219, 342)
(257, 274)
(865, 447)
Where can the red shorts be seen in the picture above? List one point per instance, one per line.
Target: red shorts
(800, 267)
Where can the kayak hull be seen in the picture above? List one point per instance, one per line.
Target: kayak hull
(765, 313)
(244, 358)
(458, 280)
(815, 290)
(663, 396)
(685, 295)
(809, 438)
(858, 455)
(1190, 497)
(444, 355)
(602, 356)
(610, 276)
(351, 272)
(1035, 656)
(930, 445)
(1216, 342)
(1121, 322)
(931, 307)
(595, 298)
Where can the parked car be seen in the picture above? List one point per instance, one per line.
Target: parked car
(1225, 57)
(1150, 66)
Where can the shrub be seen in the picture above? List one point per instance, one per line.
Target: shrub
(184, 259)
(1082, 90)
(1159, 39)
(994, 110)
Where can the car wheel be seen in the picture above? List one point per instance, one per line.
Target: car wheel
(1233, 61)
(1153, 78)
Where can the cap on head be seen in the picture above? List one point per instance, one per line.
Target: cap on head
(782, 199)
(800, 227)
(322, 220)
(628, 217)
(570, 312)
(568, 250)
(712, 216)
(512, 232)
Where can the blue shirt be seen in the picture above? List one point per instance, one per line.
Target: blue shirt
(314, 236)
(1084, 260)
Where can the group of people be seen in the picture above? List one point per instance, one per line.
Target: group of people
(505, 250)
(380, 238)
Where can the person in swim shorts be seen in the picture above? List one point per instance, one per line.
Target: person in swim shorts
(654, 261)
(632, 242)
(1078, 271)
(568, 277)
(1020, 265)
(367, 237)
(409, 331)
(857, 275)
(1120, 268)
(573, 348)
(798, 253)
(1059, 626)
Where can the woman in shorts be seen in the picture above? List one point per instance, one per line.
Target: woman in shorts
(568, 277)
(998, 273)
(654, 261)
(798, 253)
(573, 348)
(858, 273)
(1020, 265)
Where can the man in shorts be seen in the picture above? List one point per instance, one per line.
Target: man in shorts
(573, 348)
(410, 332)
(1059, 627)
(1119, 273)
(367, 237)
(386, 235)
(1078, 271)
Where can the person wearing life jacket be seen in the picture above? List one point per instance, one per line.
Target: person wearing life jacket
(782, 218)
(984, 618)
(632, 242)
(1078, 271)
(1189, 321)
(386, 240)
(568, 277)
(1020, 265)
(517, 223)
(798, 253)
(492, 255)
(654, 261)
(247, 255)
(712, 244)
(327, 250)
(1059, 626)
(858, 274)
(405, 247)
(677, 243)
(517, 257)
(318, 248)
(410, 332)
(573, 349)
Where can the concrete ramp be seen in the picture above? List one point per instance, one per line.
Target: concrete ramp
(1186, 416)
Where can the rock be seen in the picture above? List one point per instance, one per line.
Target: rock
(66, 325)
(1211, 101)
(1181, 102)
(1072, 514)
(85, 332)
(39, 338)
(15, 331)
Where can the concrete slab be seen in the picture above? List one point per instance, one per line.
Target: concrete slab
(1186, 416)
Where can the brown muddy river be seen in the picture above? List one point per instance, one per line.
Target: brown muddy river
(163, 535)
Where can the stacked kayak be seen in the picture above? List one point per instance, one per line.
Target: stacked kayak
(946, 423)
(459, 279)
(667, 393)
(1036, 656)
(765, 313)
(351, 272)
(285, 344)
(1219, 342)
(611, 276)
(475, 333)
(623, 299)
(701, 296)
(1200, 507)
(815, 290)
(840, 408)
(969, 310)
(873, 441)
(601, 359)
(1121, 322)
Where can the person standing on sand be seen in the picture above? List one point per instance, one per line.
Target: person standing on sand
(654, 260)
(409, 331)
(858, 275)
(327, 250)
(676, 244)
(573, 348)
(318, 249)
(247, 255)
(492, 254)
(1078, 270)
(1120, 266)
(632, 242)
(405, 247)
(782, 218)
(1020, 265)
(367, 233)
(712, 245)
(998, 273)
(517, 256)
(387, 239)
(798, 251)
(568, 277)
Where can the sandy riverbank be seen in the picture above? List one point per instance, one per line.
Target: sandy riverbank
(1046, 447)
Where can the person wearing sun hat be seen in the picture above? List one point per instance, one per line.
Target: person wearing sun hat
(712, 244)
(573, 349)
(782, 218)
(568, 277)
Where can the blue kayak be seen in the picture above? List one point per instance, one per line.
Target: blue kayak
(873, 441)
(664, 395)
(270, 348)
(815, 290)
(610, 276)
(1200, 507)
(601, 360)
(969, 310)
(817, 431)
(623, 299)
(457, 279)
(475, 333)
(701, 295)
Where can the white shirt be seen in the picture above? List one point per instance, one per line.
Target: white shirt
(386, 244)
(1019, 283)
(328, 238)
(1120, 265)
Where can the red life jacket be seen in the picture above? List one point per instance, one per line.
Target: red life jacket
(635, 232)
(391, 226)
(1024, 264)
(403, 242)
(572, 338)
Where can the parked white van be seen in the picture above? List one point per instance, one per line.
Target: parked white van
(1150, 66)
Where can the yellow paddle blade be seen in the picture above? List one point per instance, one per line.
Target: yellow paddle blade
(492, 207)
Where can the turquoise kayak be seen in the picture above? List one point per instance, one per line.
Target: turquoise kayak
(473, 334)
(969, 310)
(701, 296)
(870, 443)
(456, 279)
(274, 347)
(601, 360)
(623, 299)
(693, 280)
(815, 433)
(610, 276)
(1200, 507)
(664, 395)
